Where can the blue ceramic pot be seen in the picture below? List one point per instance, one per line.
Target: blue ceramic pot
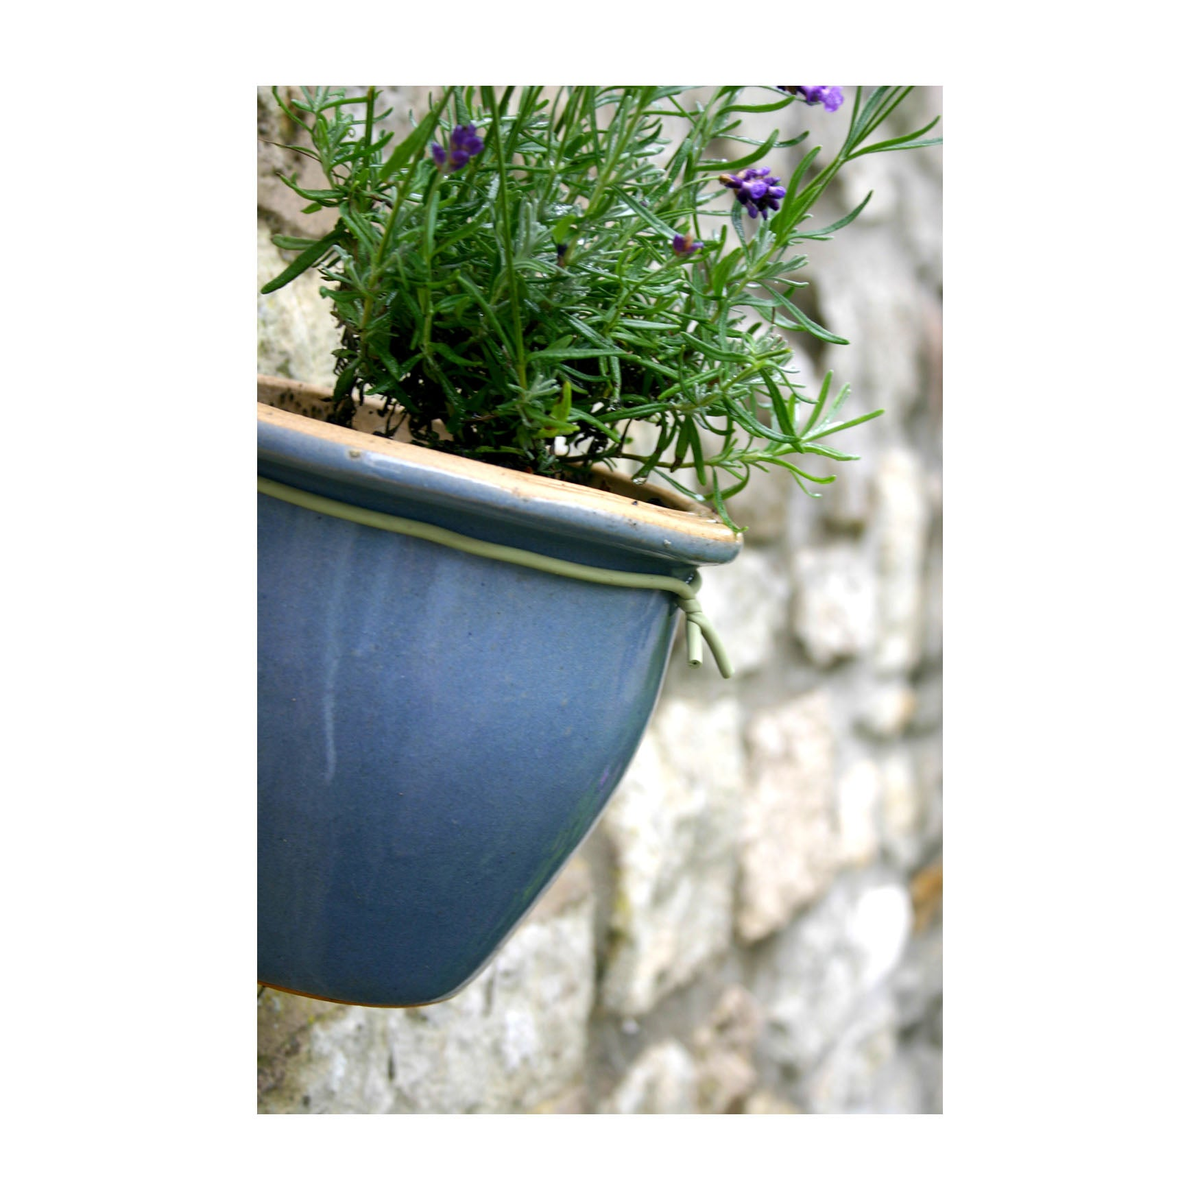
(438, 732)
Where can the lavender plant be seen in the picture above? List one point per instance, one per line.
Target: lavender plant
(519, 280)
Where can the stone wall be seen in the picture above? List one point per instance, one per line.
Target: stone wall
(755, 926)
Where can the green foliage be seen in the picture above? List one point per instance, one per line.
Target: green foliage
(533, 297)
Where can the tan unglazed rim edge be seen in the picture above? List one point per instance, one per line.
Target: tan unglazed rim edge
(682, 517)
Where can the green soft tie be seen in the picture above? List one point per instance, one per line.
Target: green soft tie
(698, 625)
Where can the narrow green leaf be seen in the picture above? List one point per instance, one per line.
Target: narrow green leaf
(804, 322)
(791, 208)
(302, 262)
(795, 470)
(881, 148)
(826, 430)
(783, 411)
(822, 234)
(757, 108)
(690, 437)
(738, 163)
(292, 243)
(431, 210)
(806, 325)
(562, 408)
(345, 381)
(826, 452)
(815, 415)
(647, 215)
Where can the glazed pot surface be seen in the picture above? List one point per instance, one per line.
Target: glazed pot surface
(437, 733)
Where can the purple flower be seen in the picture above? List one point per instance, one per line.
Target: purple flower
(831, 97)
(756, 188)
(684, 244)
(464, 144)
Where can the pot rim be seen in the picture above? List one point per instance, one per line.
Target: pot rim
(683, 532)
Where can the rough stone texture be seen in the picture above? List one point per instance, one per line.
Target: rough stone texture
(297, 338)
(514, 1039)
(789, 846)
(928, 715)
(277, 203)
(673, 829)
(815, 773)
(903, 525)
(887, 710)
(816, 976)
(932, 631)
(868, 299)
(724, 1048)
(834, 611)
(748, 607)
(917, 985)
(903, 810)
(859, 806)
(768, 1103)
(663, 1080)
(855, 1068)
(928, 757)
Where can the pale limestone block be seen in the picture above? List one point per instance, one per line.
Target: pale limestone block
(932, 637)
(878, 174)
(834, 610)
(768, 1103)
(661, 1080)
(911, 1082)
(813, 978)
(746, 600)
(849, 1076)
(297, 338)
(762, 507)
(724, 1051)
(903, 524)
(512, 1040)
(868, 284)
(928, 715)
(573, 1100)
(316, 1057)
(789, 845)
(887, 709)
(848, 503)
(928, 760)
(906, 200)
(859, 804)
(878, 925)
(917, 981)
(903, 808)
(673, 830)
(870, 1069)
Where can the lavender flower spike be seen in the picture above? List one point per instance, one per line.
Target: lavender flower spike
(684, 244)
(464, 145)
(831, 97)
(757, 189)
